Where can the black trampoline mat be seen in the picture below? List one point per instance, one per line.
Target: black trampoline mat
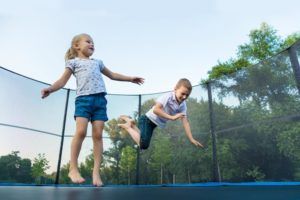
(145, 193)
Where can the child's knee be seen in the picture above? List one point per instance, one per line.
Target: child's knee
(97, 136)
(81, 134)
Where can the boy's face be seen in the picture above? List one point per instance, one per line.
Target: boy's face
(181, 93)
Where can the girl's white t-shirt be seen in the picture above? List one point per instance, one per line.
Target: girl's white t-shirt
(88, 74)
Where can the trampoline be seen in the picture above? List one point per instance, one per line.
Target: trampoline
(255, 142)
(245, 191)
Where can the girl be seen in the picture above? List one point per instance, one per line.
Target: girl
(90, 103)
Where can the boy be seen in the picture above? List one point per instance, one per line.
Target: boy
(171, 106)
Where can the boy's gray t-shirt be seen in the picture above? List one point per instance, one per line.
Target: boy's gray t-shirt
(88, 73)
(170, 106)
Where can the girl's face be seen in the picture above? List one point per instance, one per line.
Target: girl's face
(85, 47)
(181, 94)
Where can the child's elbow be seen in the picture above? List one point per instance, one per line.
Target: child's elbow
(110, 75)
(156, 111)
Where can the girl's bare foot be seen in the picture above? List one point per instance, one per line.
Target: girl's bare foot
(75, 176)
(97, 179)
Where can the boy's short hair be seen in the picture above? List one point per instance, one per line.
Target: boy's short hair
(184, 82)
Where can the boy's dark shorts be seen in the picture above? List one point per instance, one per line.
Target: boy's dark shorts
(146, 127)
(92, 107)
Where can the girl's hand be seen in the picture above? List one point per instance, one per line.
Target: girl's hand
(196, 143)
(137, 80)
(45, 92)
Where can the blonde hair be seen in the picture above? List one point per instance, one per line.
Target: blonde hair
(185, 83)
(71, 52)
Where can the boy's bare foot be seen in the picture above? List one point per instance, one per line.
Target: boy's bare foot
(127, 119)
(75, 176)
(124, 126)
(97, 179)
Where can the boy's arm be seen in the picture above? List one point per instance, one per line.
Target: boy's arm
(61, 82)
(188, 132)
(158, 110)
(120, 77)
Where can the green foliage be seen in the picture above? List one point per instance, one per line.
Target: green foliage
(112, 157)
(15, 169)
(63, 176)
(255, 174)
(255, 147)
(289, 140)
(128, 163)
(290, 40)
(227, 68)
(39, 167)
(263, 43)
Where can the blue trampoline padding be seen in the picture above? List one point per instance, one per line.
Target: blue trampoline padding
(207, 184)
(196, 191)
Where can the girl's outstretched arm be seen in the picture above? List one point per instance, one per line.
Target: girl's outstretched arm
(61, 82)
(121, 77)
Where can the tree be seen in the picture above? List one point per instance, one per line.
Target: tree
(15, 169)
(39, 167)
(63, 175)
(127, 163)
(264, 43)
(256, 88)
(161, 156)
(119, 140)
(24, 171)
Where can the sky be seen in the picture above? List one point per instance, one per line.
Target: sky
(159, 40)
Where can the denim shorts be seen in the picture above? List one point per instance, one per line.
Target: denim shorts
(146, 127)
(92, 107)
